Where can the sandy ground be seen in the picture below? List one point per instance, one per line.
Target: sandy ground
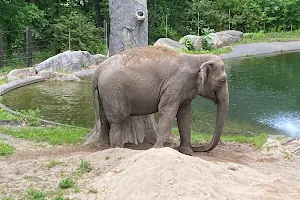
(231, 171)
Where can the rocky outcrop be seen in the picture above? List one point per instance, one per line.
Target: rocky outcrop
(167, 42)
(70, 61)
(20, 73)
(56, 76)
(224, 38)
(197, 41)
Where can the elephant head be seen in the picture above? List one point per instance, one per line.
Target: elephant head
(212, 84)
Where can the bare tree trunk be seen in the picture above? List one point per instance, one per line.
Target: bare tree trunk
(129, 28)
(129, 25)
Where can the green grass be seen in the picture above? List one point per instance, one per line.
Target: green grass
(85, 166)
(7, 116)
(6, 149)
(30, 117)
(256, 140)
(270, 37)
(213, 51)
(33, 194)
(66, 183)
(3, 81)
(5, 70)
(53, 135)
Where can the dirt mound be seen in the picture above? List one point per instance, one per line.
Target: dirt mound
(167, 174)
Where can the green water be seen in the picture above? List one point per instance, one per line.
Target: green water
(261, 88)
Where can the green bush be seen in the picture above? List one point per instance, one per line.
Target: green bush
(188, 43)
(84, 35)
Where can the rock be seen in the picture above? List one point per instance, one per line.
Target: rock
(196, 40)
(56, 76)
(85, 73)
(70, 61)
(167, 42)
(225, 38)
(21, 73)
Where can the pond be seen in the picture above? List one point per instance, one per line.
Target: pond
(264, 97)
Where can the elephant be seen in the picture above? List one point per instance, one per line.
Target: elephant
(152, 79)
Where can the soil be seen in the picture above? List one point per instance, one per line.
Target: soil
(230, 171)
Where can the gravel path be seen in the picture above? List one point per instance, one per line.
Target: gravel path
(261, 49)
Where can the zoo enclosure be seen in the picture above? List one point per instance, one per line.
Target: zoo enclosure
(33, 48)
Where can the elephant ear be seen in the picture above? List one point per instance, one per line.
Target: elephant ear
(204, 71)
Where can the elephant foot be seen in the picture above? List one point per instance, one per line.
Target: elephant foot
(185, 150)
(158, 145)
(103, 146)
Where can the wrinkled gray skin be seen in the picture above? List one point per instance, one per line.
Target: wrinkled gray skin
(156, 79)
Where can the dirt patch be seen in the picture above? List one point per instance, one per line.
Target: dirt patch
(231, 171)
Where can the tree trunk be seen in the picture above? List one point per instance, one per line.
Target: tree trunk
(98, 13)
(129, 28)
(129, 25)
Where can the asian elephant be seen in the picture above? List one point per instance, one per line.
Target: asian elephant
(153, 79)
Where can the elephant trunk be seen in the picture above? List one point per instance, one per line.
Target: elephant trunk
(222, 110)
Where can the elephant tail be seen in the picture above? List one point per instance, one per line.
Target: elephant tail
(94, 90)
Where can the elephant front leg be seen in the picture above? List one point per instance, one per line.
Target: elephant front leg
(166, 118)
(184, 126)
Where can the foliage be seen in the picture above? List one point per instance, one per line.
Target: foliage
(31, 117)
(188, 43)
(7, 116)
(52, 21)
(83, 34)
(213, 51)
(6, 149)
(53, 135)
(66, 183)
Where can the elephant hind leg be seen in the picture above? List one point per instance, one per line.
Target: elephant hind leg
(103, 140)
(115, 135)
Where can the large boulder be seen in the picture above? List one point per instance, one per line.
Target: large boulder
(20, 73)
(225, 38)
(70, 61)
(167, 42)
(196, 40)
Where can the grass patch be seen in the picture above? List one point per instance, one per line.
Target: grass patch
(53, 163)
(282, 36)
(6, 115)
(66, 183)
(3, 81)
(53, 135)
(256, 140)
(34, 194)
(212, 51)
(85, 166)
(6, 149)
(5, 70)
(30, 117)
